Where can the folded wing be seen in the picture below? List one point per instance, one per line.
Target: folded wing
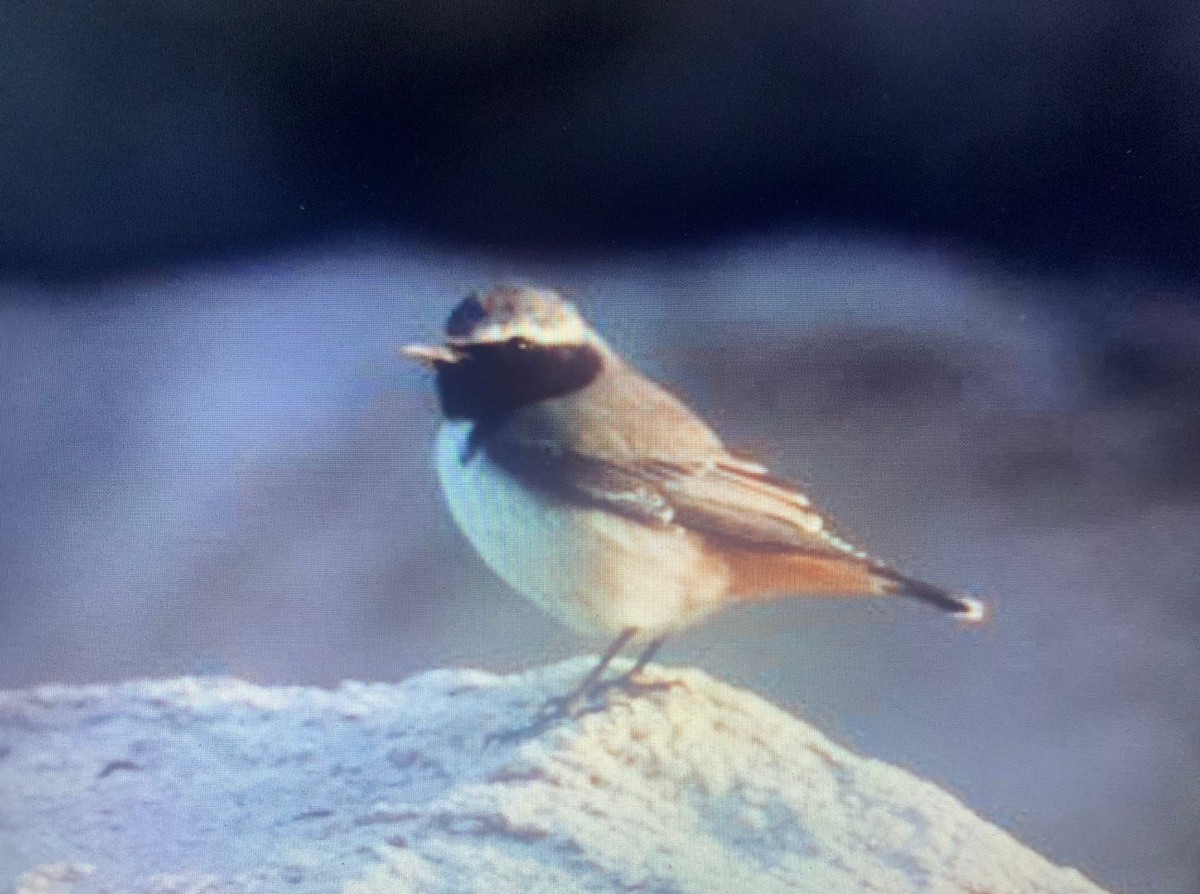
(725, 498)
(775, 539)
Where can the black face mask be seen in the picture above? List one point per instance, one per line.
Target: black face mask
(494, 379)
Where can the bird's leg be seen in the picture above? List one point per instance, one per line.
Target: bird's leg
(564, 705)
(589, 683)
(628, 682)
(558, 708)
(645, 658)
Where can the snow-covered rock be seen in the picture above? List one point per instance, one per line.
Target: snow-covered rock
(208, 786)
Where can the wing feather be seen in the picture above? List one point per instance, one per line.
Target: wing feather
(723, 497)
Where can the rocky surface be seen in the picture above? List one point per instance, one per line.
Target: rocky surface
(209, 785)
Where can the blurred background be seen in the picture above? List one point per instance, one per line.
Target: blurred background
(938, 261)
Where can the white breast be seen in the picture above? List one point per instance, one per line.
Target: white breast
(595, 571)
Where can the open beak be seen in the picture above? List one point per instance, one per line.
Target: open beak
(430, 355)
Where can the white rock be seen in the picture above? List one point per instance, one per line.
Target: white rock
(213, 785)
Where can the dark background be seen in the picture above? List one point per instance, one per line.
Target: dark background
(1059, 135)
(935, 260)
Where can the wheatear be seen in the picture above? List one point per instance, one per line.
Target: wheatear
(604, 499)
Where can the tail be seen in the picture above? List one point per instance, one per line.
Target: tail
(761, 576)
(966, 608)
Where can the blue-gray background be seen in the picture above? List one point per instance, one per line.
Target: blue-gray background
(936, 261)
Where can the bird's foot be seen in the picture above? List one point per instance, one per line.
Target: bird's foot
(595, 699)
(632, 684)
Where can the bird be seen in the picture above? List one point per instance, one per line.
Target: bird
(607, 501)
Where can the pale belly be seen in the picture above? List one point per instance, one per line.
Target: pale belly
(594, 571)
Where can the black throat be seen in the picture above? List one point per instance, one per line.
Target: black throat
(493, 380)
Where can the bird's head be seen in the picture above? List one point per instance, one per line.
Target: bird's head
(508, 348)
(518, 318)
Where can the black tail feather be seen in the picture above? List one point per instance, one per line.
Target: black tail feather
(966, 607)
